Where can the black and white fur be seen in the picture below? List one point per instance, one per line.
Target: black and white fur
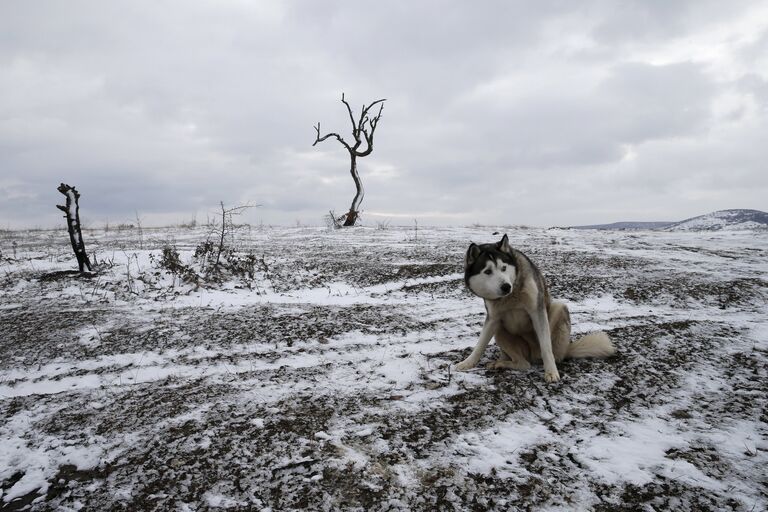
(527, 325)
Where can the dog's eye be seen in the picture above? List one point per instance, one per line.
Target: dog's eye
(504, 268)
(489, 272)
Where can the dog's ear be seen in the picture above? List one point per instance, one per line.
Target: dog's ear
(503, 244)
(472, 253)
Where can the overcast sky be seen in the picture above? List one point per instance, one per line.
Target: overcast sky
(538, 113)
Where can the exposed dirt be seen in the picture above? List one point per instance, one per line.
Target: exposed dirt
(325, 384)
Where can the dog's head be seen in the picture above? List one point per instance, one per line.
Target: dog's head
(489, 269)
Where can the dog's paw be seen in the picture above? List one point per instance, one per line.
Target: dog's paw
(464, 365)
(551, 375)
(508, 364)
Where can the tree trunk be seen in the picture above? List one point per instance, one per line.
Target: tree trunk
(353, 209)
(72, 211)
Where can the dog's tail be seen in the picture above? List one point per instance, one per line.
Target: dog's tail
(595, 344)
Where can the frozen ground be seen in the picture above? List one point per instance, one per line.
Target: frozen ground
(324, 384)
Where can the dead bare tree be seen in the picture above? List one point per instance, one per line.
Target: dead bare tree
(72, 213)
(228, 226)
(363, 129)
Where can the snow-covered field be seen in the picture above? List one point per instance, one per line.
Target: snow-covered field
(322, 382)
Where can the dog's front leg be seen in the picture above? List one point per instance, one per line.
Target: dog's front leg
(540, 323)
(489, 329)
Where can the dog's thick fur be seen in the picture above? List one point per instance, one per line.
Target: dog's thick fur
(527, 325)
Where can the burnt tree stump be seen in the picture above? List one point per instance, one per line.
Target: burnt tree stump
(72, 213)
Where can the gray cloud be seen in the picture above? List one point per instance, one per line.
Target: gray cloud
(537, 113)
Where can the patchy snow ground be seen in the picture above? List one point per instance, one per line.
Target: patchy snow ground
(325, 384)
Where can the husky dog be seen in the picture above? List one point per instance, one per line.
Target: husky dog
(526, 323)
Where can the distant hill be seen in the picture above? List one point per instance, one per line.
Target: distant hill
(724, 219)
(627, 225)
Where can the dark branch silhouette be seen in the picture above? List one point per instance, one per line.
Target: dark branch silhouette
(363, 130)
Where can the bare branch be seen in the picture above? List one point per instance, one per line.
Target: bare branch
(355, 132)
(318, 138)
(364, 117)
(361, 119)
(372, 123)
(366, 109)
(237, 210)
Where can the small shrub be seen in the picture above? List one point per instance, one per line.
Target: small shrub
(170, 261)
(205, 253)
(332, 221)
